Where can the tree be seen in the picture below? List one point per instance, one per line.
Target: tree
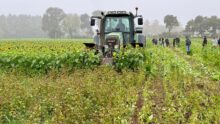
(213, 24)
(190, 27)
(171, 22)
(200, 25)
(21, 26)
(204, 24)
(3, 24)
(146, 27)
(153, 28)
(52, 22)
(156, 28)
(71, 25)
(85, 25)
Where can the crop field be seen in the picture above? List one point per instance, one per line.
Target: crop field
(61, 82)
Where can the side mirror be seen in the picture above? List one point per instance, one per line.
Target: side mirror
(140, 21)
(92, 22)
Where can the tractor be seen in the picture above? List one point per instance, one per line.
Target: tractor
(118, 29)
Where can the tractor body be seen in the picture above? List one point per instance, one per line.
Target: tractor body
(117, 29)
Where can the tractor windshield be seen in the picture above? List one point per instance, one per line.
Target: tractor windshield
(117, 24)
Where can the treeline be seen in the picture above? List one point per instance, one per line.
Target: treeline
(55, 23)
(204, 26)
(21, 26)
(198, 27)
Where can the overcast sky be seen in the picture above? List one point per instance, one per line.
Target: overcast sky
(150, 9)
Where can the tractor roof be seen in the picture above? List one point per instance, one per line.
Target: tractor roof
(118, 13)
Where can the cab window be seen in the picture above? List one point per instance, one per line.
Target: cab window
(117, 24)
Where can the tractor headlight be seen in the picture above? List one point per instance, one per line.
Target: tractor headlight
(116, 46)
(106, 46)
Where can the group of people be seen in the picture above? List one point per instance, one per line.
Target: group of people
(176, 42)
(215, 43)
(165, 42)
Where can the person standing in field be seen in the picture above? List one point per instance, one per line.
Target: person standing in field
(154, 41)
(161, 41)
(167, 42)
(188, 44)
(219, 42)
(205, 41)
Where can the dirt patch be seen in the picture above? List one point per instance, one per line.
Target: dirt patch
(139, 105)
(107, 61)
(158, 98)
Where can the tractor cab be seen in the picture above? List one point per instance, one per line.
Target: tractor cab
(117, 30)
(118, 25)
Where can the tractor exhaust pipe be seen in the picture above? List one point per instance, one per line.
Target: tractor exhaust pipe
(136, 11)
